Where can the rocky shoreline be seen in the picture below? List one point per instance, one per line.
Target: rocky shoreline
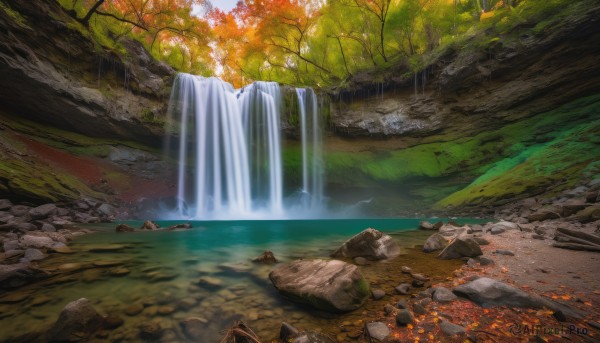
(510, 287)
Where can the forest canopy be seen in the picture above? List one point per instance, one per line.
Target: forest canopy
(302, 42)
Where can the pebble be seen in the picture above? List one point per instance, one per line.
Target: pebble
(166, 310)
(134, 309)
(119, 271)
(378, 294)
(505, 252)
(404, 317)
(40, 300)
(406, 270)
(388, 309)
(451, 329)
(402, 288)
(378, 330)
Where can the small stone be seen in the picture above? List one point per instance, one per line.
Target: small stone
(406, 270)
(150, 331)
(124, 228)
(402, 304)
(187, 303)
(419, 309)
(443, 295)
(536, 236)
(287, 332)
(451, 329)
(252, 315)
(119, 271)
(378, 330)
(113, 322)
(194, 327)
(361, 261)
(134, 309)
(402, 288)
(404, 317)
(209, 282)
(496, 230)
(378, 293)
(471, 262)
(420, 277)
(505, 252)
(481, 241)
(48, 227)
(70, 267)
(165, 310)
(417, 283)
(388, 309)
(425, 225)
(485, 261)
(266, 257)
(149, 225)
(40, 300)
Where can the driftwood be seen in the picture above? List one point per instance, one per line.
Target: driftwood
(576, 246)
(576, 240)
(582, 235)
(240, 333)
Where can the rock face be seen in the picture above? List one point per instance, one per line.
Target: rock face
(461, 247)
(76, 322)
(369, 243)
(332, 285)
(35, 66)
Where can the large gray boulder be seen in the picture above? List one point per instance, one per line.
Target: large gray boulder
(43, 211)
(461, 247)
(76, 322)
(488, 292)
(435, 242)
(369, 243)
(329, 285)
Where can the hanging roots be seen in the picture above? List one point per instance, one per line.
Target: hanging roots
(240, 333)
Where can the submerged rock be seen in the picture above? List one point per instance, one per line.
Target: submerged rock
(149, 225)
(124, 228)
(266, 257)
(332, 285)
(76, 322)
(369, 243)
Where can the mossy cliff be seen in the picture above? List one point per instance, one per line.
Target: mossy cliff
(78, 117)
(511, 112)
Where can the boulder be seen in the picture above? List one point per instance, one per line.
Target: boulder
(588, 215)
(149, 225)
(331, 285)
(461, 247)
(542, 214)
(106, 210)
(16, 275)
(43, 211)
(5, 204)
(38, 242)
(19, 210)
(369, 243)
(488, 292)
(33, 255)
(77, 321)
(377, 330)
(124, 228)
(435, 242)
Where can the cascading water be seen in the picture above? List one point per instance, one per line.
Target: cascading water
(312, 172)
(230, 150)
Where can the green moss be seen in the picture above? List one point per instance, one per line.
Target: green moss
(14, 15)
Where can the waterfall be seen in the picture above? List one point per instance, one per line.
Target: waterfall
(310, 126)
(229, 149)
